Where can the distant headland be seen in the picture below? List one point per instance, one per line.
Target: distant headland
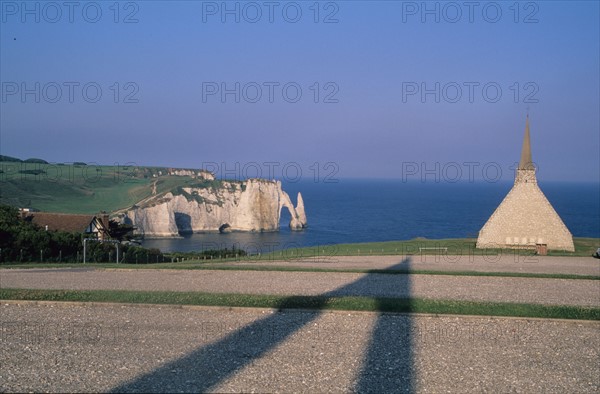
(157, 201)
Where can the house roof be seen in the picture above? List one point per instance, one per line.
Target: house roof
(62, 221)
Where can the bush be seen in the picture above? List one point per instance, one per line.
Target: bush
(208, 254)
(9, 158)
(138, 255)
(32, 172)
(34, 160)
(23, 241)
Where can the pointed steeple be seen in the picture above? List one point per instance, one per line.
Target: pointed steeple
(525, 218)
(526, 163)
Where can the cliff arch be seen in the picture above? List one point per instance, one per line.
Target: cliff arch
(298, 217)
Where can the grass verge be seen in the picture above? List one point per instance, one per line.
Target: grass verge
(372, 304)
(584, 247)
(221, 267)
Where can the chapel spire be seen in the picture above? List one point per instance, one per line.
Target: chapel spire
(526, 163)
(525, 219)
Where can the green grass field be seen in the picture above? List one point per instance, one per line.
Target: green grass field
(222, 265)
(454, 247)
(82, 189)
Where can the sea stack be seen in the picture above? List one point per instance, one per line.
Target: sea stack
(525, 218)
(298, 221)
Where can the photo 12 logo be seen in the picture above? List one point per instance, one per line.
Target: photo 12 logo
(442, 331)
(265, 251)
(469, 12)
(69, 92)
(269, 11)
(80, 172)
(471, 92)
(69, 11)
(452, 171)
(74, 173)
(290, 172)
(86, 333)
(269, 92)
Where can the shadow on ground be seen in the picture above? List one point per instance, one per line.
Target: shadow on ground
(387, 364)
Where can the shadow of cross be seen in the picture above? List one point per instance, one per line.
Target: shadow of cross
(387, 365)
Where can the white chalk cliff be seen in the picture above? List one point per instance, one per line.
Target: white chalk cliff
(252, 205)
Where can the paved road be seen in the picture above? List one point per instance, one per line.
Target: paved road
(474, 288)
(85, 348)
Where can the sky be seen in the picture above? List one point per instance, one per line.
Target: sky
(332, 89)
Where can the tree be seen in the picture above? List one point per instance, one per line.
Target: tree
(121, 231)
(21, 240)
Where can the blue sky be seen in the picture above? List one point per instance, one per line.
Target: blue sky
(366, 70)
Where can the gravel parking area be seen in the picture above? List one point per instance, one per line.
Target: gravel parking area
(84, 348)
(510, 261)
(66, 347)
(472, 288)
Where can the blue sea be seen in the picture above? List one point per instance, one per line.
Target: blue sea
(387, 210)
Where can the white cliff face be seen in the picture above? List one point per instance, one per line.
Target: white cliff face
(300, 210)
(298, 221)
(253, 205)
(201, 174)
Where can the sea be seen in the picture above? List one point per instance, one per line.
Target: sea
(368, 210)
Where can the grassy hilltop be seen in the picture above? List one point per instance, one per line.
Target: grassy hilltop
(81, 188)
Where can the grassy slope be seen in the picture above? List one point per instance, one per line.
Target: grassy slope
(80, 189)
